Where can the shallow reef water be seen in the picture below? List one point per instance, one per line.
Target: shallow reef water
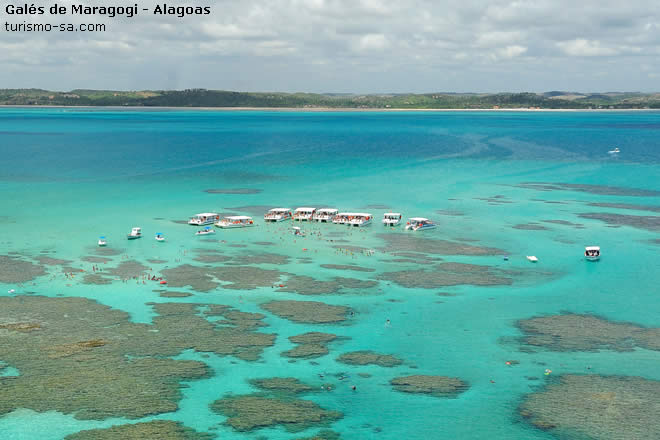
(341, 332)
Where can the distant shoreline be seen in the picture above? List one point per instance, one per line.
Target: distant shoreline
(335, 109)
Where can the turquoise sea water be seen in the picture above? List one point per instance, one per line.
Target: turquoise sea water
(70, 175)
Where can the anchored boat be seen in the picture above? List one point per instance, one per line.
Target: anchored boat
(325, 215)
(205, 218)
(278, 215)
(592, 253)
(303, 214)
(160, 236)
(102, 241)
(207, 230)
(235, 221)
(391, 219)
(419, 224)
(135, 234)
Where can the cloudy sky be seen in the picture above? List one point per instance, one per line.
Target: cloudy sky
(363, 46)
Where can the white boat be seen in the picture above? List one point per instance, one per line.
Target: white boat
(103, 241)
(391, 219)
(419, 224)
(207, 230)
(341, 218)
(303, 214)
(592, 253)
(135, 233)
(615, 151)
(298, 232)
(325, 215)
(278, 215)
(235, 221)
(160, 236)
(205, 218)
(532, 258)
(357, 219)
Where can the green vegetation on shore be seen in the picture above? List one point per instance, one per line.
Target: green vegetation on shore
(219, 98)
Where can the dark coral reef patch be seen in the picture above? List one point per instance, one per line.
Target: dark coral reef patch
(574, 332)
(82, 358)
(310, 345)
(596, 407)
(312, 312)
(369, 357)
(437, 386)
(449, 274)
(157, 429)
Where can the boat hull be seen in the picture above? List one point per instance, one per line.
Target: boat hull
(592, 257)
(233, 226)
(133, 237)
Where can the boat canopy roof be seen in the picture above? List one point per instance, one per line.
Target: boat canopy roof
(305, 209)
(328, 210)
(592, 248)
(418, 219)
(136, 228)
(238, 217)
(206, 214)
(392, 214)
(279, 210)
(355, 214)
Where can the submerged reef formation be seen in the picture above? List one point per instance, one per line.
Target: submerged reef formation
(596, 407)
(305, 285)
(310, 345)
(646, 222)
(573, 332)
(591, 189)
(650, 208)
(565, 223)
(347, 267)
(437, 386)
(283, 385)
(449, 274)
(207, 278)
(157, 429)
(369, 357)
(16, 270)
(311, 312)
(530, 227)
(82, 358)
(324, 434)
(252, 411)
(411, 243)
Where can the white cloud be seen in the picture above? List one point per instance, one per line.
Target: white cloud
(336, 45)
(586, 48)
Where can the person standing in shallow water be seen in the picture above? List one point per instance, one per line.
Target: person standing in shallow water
(388, 323)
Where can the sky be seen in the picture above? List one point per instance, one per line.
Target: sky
(345, 46)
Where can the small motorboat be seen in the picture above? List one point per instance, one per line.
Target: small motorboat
(592, 253)
(615, 151)
(419, 224)
(532, 258)
(297, 231)
(207, 230)
(102, 241)
(135, 234)
(160, 236)
(391, 219)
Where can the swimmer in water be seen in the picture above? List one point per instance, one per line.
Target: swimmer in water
(388, 323)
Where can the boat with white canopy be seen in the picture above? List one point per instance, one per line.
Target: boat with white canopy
(303, 214)
(592, 253)
(102, 241)
(357, 219)
(205, 218)
(277, 215)
(391, 219)
(135, 234)
(419, 224)
(325, 215)
(235, 221)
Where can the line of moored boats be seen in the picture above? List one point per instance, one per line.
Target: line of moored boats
(322, 215)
